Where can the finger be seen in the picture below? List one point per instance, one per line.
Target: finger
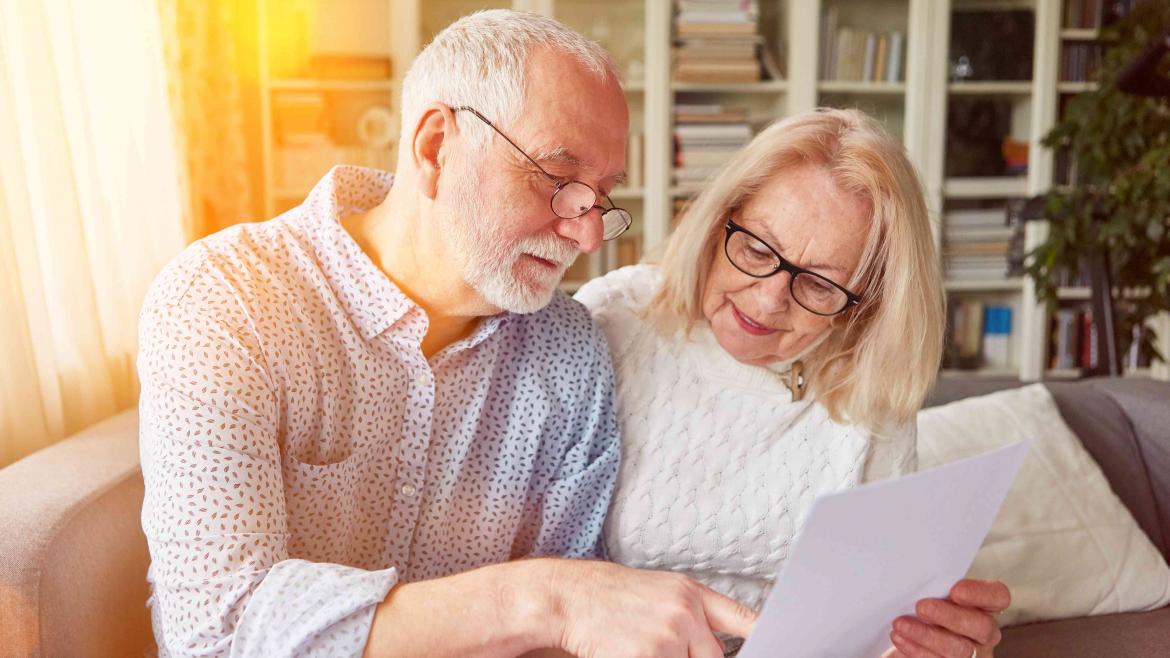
(939, 640)
(989, 595)
(726, 614)
(973, 623)
(910, 648)
(705, 645)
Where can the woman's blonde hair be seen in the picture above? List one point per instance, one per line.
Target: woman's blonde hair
(881, 357)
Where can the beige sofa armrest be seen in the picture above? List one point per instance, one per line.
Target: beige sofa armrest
(73, 558)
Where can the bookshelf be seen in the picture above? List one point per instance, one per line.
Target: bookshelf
(921, 103)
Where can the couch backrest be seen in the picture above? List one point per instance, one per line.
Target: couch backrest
(73, 558)
(1146, 404)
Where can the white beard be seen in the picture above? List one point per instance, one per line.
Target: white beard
(490, 263)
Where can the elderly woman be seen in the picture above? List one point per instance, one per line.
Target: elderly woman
(780, 351)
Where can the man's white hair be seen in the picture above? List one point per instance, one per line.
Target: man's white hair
(481, 60)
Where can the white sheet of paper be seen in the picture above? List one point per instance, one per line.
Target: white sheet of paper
(865, 556)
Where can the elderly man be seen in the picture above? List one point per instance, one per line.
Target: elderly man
(356, 414)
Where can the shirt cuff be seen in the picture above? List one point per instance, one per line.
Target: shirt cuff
(306, 608)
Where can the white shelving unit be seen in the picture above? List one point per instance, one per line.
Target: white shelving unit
(639, 34)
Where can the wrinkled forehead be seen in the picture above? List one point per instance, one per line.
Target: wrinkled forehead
(573, 116)
(807, 216)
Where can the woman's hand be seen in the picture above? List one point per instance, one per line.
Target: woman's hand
(961, 626)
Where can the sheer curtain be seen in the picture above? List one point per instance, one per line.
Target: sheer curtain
(90, 209)
(209, 47)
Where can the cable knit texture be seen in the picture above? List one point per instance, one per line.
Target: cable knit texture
(719, 465)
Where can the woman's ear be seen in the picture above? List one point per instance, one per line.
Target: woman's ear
(429, 146)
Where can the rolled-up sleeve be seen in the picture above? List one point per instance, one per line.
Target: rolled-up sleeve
(214, 513)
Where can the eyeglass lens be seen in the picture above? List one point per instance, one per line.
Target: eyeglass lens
(811, 291)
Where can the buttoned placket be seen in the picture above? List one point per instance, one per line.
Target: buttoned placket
(408, 486)
(418, 419)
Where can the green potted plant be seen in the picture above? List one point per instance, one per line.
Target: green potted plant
(1120, 145)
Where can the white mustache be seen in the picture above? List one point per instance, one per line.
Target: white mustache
(551, 248)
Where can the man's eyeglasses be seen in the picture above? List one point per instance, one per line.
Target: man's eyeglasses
(571, 199)
(756, 258)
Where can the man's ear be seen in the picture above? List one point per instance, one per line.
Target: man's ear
(434, 127)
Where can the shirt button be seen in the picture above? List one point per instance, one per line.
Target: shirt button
(408, 490)
(421, 380)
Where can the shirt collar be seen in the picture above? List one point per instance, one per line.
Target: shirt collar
(368, 296)
(372, 301)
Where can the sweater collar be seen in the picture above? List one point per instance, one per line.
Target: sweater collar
(716, 361)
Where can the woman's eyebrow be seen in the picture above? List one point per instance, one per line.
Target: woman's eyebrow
(765, 233)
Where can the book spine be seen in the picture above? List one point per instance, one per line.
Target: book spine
(1086, 336)
(867, 73)
(997, 336)
(841, 61)
(883, 49)
(894, 70)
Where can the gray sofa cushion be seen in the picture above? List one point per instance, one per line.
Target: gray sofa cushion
(1147, 406)
(1105, 427)
(950, 389)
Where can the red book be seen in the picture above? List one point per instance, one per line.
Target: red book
(1086, 339)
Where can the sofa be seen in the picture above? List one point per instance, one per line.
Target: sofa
(73, 557)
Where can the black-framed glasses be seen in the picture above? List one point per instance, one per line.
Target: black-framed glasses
(756, 258)
(570, 199)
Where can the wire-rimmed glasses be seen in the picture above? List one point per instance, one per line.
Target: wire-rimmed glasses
(570, 199)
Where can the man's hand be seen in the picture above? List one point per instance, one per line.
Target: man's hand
(590, 609)
(604, 610)
(961, 626)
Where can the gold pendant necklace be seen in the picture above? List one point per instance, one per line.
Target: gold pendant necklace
(796, 381)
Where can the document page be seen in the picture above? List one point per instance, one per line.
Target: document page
(867, 555)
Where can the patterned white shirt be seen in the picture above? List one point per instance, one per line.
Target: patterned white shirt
(301, 456)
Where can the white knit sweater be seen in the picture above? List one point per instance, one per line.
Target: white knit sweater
(719, 465)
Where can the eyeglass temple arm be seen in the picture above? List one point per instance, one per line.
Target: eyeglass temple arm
(506, 138)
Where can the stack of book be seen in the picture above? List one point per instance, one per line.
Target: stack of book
(1135, 357)
(307, 143)
(1074, 341)
(1066, 278)
(852, 54)
(1083, 14)
(349, 67)
(716, 41)
(976, 245)
(301, 118)
(705, 137)
(304, 145)
(1074, 338)
(635, 145)
(1015, 156)
(1079, 61)
(978, 335)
